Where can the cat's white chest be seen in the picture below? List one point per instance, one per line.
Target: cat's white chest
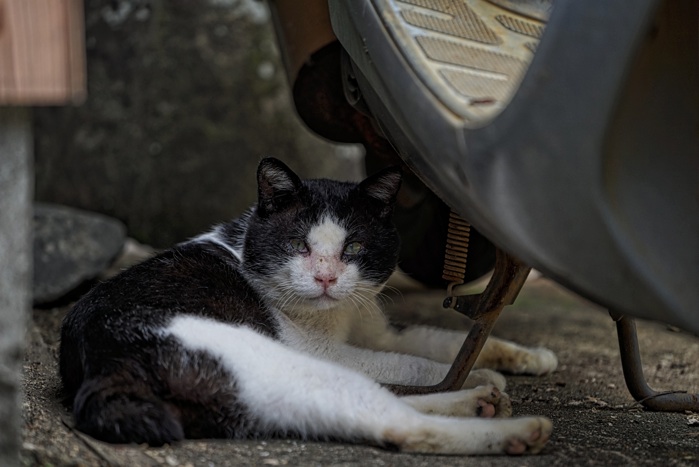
(316, 333)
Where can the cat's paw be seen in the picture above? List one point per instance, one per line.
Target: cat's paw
(540, 361)
(484, 401)
(516, 359)
(492, 402)
(482, 377)
(530, 435)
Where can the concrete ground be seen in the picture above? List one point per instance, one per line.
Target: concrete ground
(596, 422)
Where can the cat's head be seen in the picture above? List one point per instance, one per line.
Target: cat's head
(317, 244)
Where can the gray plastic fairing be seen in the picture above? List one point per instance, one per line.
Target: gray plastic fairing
(557, 178)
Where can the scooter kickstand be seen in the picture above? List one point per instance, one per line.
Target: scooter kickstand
(484, 308)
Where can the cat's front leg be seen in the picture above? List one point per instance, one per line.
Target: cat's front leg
(442, 345)
(402, 369)
(385, 367)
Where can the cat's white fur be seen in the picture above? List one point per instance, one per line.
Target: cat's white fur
(336, 344)
(215, 237)
(320, 398)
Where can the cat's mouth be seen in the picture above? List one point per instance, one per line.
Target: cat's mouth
(324, 300)
(327, 297)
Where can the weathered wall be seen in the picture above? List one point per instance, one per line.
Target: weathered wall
(184, 98)
(15, 258)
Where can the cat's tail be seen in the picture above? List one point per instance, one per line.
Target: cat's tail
(125, 412)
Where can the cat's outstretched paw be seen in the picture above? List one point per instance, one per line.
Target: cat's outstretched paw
(540, 361)
(493, 403)
(516, 359)
(532, 437)
(463, 436)
(484, 401)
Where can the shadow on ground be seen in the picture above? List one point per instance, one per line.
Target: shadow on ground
(595, 420)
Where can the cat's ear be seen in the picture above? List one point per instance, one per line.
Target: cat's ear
(276, 185)
(383, 187)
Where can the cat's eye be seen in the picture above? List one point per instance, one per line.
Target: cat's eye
(298, 245)
(353, 248)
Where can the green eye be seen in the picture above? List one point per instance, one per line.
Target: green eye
(353, 248)
(298, 245)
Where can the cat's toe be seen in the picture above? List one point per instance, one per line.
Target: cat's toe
(485, 409)
(503, 408)
(493, 403)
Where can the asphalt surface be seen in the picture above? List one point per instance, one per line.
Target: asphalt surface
(596, 422)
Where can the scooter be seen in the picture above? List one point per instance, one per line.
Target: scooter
(560, 135)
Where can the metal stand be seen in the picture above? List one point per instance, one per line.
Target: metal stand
(484, 308)
(669, 401)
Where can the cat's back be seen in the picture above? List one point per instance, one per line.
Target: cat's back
(195, 278)
(127, 313)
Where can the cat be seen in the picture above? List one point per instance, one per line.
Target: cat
(269, 326)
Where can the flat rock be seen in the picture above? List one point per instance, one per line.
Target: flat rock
(71, 246)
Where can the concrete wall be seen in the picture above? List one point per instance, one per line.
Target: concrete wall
(184, 98)
(15, 260)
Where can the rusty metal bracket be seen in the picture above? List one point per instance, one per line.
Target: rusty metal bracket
(504, 286)
(667, 401)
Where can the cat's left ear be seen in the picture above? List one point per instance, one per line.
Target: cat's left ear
(383, 187)
(276, 186)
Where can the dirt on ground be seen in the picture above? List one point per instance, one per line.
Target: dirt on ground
(596, 422)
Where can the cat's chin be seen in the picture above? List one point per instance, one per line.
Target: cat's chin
(323, 302)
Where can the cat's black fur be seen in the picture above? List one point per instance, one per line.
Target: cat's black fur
(129, 383)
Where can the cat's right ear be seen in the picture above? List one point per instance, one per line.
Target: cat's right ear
(276, 186)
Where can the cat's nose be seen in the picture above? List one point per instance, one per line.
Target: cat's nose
(326, 280)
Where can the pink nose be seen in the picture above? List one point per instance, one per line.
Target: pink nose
(325, 280)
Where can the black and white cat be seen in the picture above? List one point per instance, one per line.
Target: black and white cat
(269, 326)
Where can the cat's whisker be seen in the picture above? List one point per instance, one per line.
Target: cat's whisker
(356, 304)
(365, 304)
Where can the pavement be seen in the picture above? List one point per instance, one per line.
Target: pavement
(596, 422)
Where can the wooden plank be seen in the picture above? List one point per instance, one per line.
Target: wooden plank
(42, 52)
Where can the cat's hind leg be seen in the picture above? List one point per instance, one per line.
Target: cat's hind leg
(160, 394)
(470, 436)
(123, 410)
(283, 390)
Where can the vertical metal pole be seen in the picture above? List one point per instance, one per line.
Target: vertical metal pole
(16, 185)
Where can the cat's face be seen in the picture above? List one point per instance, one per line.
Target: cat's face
(317, 244)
